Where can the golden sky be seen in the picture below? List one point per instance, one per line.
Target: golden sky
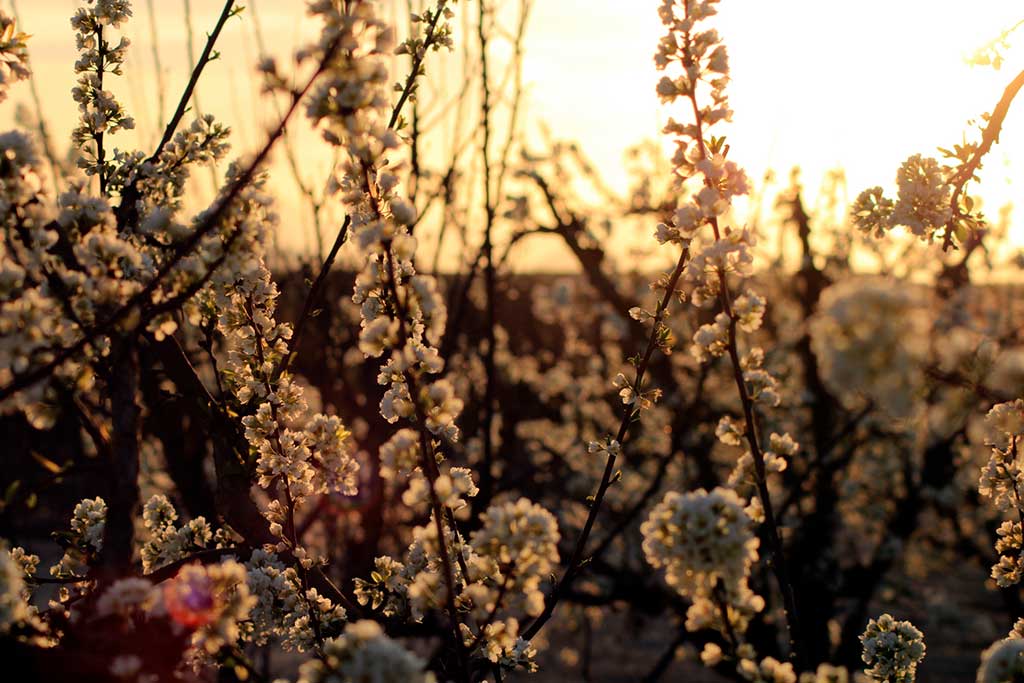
(816, 83)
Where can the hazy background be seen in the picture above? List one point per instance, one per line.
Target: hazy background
(818, 83)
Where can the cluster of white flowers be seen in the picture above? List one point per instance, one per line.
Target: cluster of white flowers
(212, 602)
(500, 573)
(85, 539)
(743, 478)
(1001, 480)
(161, 181)
(69, 270)
(768, 670)
(922, 203)
(870, 337)
(892, 650)
(826, 673)
(705, 542)
(450, 485)
(304, 453)
(101, 113)
(126, 598)
(32, 319)
(14, 593)
(1002, 662)
(281, 609)
(364, 653)
(402, 312)
(387, 588)
(13, 55)
(521, 537)
(167, 542)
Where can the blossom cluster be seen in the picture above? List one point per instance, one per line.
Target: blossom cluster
(500, 572)
(922, 204)
(13, 54)
(1002, 662)
(101, 113)
(281, 606)
(214, 599)
(1001, 481)
(870, 338)
(85, 539)
(210, 603)
(284, 609)
(168, 543)
(892, 650)
(364, 653)
(14, 594)
(705, 541)
(306, 453)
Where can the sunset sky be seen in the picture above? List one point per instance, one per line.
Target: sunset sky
(816, 83)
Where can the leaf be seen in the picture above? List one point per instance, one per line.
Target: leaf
(12, 488)
(47, 464)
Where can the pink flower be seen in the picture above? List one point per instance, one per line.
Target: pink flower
(190, 597)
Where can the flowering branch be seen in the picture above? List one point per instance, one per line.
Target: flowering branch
(211, 220)
(966, 172)
(633, 400)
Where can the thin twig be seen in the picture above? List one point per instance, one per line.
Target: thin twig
(966, 172)
(628, 417)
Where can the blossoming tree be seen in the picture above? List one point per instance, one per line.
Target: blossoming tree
(749, 454)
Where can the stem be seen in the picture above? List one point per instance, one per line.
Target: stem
(417, 62)
(988, 137)
(161, 88)
(629, 414)
(290, 528)
(719, 598)
(777, 559)
(100, 152)
(313, 296)
(490, 388)
(339, 240)
(427, 460)
(197, 70)
(119, 530)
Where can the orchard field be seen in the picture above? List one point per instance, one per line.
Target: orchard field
(391, 384)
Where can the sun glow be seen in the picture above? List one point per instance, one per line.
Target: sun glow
(863, 86)
(819, 84)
